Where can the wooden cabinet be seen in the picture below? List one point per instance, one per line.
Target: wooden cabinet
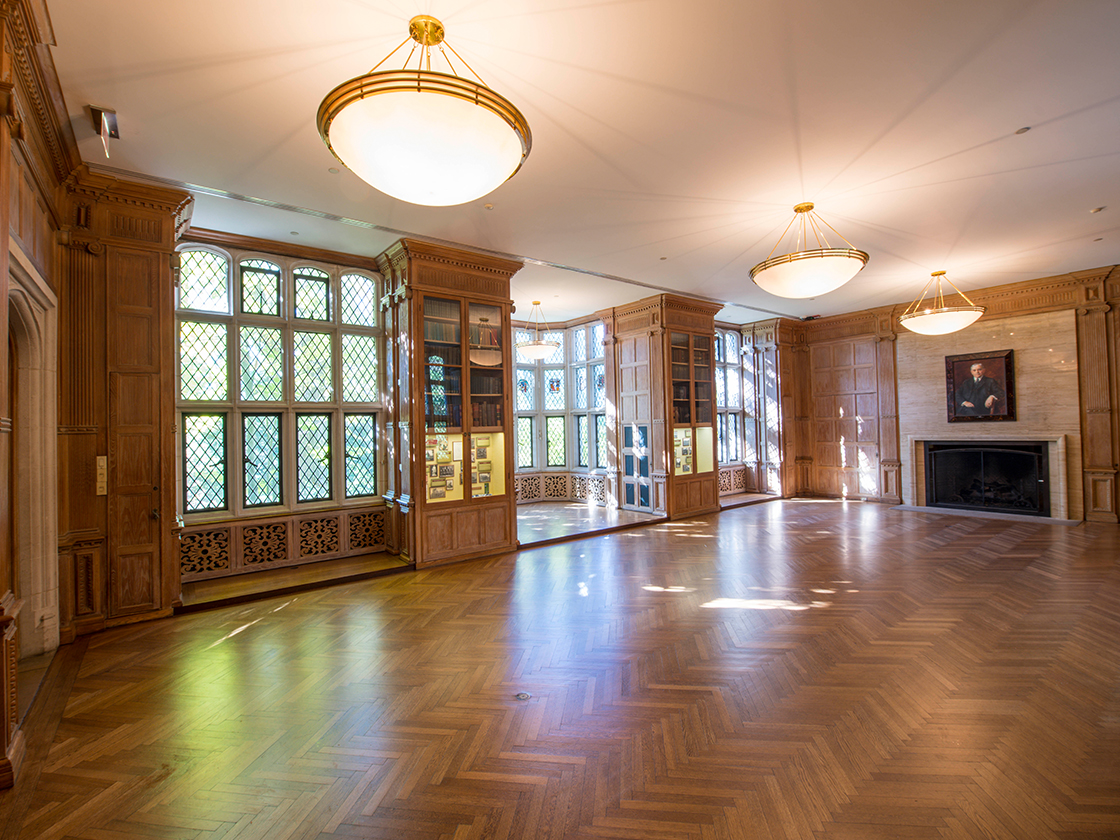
(693, 478)
(455, 496)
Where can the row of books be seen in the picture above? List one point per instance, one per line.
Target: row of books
(437, 308)
(483, 383)
(440, 331)
(486, 413)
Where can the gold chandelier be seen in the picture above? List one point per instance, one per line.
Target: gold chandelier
(935, 317)
(424, 136)
(806, 273)
(537, 347)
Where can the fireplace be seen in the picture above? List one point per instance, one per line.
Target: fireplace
(998, 476)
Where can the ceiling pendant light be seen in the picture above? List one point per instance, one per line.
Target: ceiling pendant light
(934, 317)
(538, 348)
(423, 136)
(808, 273)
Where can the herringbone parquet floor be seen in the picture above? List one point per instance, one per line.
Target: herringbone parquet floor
(793, 670)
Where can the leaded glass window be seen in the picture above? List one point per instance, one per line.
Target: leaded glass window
(243, 370)
(583, 450)
(311, 366)
(361, 455)
(598, 386)
(579, 344)
(359, 300)
(359, 368)
(204, 453)
(557, 357)
(524, 442)
(313, 457)
(579, 388)
(554, 389)
(555, 441)
(598, 336)
(313, 294)
(525, 389)
(729, 396)
(203, 282)
(601, 441)
(203, 373)
(260, 287)
(262, 364)
(262, 482)
(520, 337)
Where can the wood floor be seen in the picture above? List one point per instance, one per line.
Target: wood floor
(789, 670)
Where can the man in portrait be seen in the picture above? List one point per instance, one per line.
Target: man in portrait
(980, 394)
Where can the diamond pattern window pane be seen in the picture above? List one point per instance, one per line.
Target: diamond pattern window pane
(361, 454)
(721, 386)
(519, 337)
(579, 344)
(731, 348)
(582, 438)
(525, 389)
(262, 459)
(557, 357)
(579, 388)
(359, 368)
(733, 387)
(312, 367)
(733, 438)
(313, 457)
(202, 361)
(554, 389)
(260, 287)
(719, 346)
(313, 294)
(554, 440)
(204, 462)
(359, 300)
(598, 386)
(203, 281)
(262, 364)
(524, 442)
(598, 336)
(601, 441)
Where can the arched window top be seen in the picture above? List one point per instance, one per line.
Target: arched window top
(203, 281)
(359, 300)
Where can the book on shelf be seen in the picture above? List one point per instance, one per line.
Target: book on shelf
(441, 331)
(438, 308)
(486, 382)
(486, 413)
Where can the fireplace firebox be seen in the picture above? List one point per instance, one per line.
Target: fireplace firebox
(1001, 476)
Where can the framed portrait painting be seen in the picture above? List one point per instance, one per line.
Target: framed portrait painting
(980, 387)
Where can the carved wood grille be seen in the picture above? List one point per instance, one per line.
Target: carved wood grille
(579, 488)
(732, 479)
(725, 480)
(529, 488)
(204, 551)
(599, 489)
(318, 536)
(267, 543)
(367, 530)
(556, 486)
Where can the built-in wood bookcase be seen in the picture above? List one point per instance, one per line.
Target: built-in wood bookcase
(693, 476)
(450, 416)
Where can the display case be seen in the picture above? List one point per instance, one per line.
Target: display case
(690, 372)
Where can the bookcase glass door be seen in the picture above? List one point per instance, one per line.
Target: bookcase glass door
(487, 382)
(443, 365)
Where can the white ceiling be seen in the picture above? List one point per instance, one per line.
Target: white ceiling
(670, 139)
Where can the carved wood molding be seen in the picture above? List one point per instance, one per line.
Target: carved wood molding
(89, 191)
(458, 258)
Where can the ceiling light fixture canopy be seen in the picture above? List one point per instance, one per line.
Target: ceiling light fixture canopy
(935, 317)
(810, 272)
(423, 136)
(538, 348)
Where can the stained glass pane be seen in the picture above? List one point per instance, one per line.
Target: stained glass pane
(524, 442)
(721, 386)
(525, 389)
(203, 281)
(554, 389)
(579, 344)
(601, 441)
(260, 287)
(579, 388)
(359, 368)
(359, 300)
(557, 357)
(313, 294)
(204, 462)
(582, 437)
(202, 361)
(519, 337)
(361, 454)
(313, 457)
(312, 367)
(262, 459)
(598, 386)
(554, 440)
(262, 364)
(598, 336)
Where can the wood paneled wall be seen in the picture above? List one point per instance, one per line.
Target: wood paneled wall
(117, 555)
